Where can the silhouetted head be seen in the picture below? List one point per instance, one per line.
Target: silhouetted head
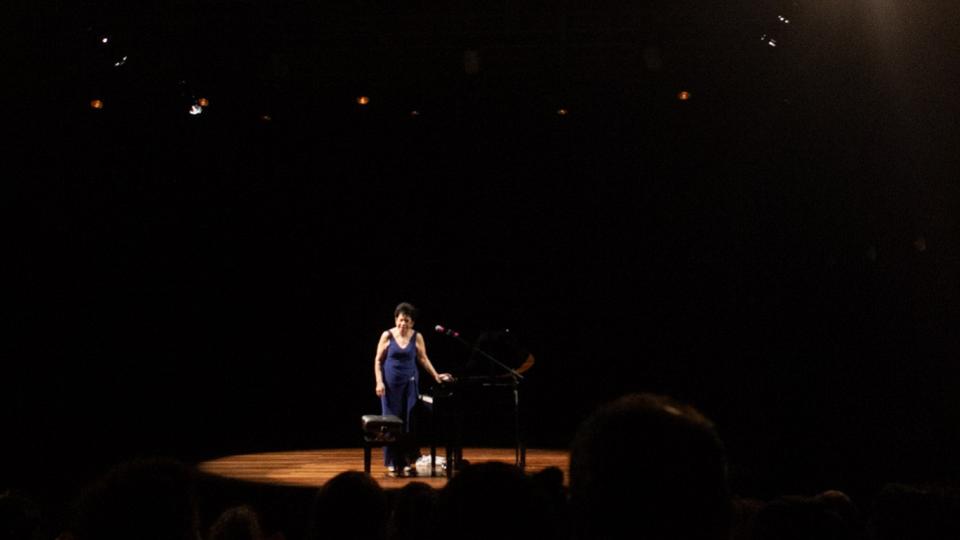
(492, 500)
(237, 523)
(146, 499)
(650, 467)
(351, 505)
(803, 518)
(916, 511)
(19, 516)
(413, 511)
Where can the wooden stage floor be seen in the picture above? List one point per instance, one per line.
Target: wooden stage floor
(312, 468)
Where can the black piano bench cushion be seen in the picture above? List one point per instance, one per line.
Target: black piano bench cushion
(381, 427)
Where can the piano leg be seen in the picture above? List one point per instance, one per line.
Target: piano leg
(451, 462)
(433, 441)
(521, 450)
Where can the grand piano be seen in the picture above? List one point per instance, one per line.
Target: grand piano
(484, 394)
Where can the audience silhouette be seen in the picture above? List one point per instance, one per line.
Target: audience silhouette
(412, 512)
(349, 506)
(237, 523)
(651, 467)
(143, 499)
(20, 517)
(492, 500)
(903, 511)
(824, 517)
(643, 466)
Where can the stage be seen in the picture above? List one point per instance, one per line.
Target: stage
(313, 468)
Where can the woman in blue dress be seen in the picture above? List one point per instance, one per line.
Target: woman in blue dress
(395, 368)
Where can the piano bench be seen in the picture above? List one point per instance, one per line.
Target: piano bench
(378, 431)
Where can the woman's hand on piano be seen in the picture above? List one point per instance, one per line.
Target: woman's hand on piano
(444, 378)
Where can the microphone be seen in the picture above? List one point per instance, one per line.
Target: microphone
(447, 331)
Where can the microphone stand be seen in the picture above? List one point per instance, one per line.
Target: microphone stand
(520, 452)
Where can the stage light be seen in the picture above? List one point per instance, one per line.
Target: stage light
(265, 118)
(105, 40)
(195, 109)
(683, 95)
(363, 100)
(96, 104)
(562, 112)
(414, 113)
(783, 19)
(203, 102)
(120, 62)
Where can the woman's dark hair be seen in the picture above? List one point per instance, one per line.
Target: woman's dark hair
(405, 308)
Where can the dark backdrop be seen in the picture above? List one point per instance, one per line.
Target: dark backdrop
(780, 249)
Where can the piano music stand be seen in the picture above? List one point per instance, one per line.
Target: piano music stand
(455, 455)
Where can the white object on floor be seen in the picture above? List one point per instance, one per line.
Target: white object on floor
(423, 464)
